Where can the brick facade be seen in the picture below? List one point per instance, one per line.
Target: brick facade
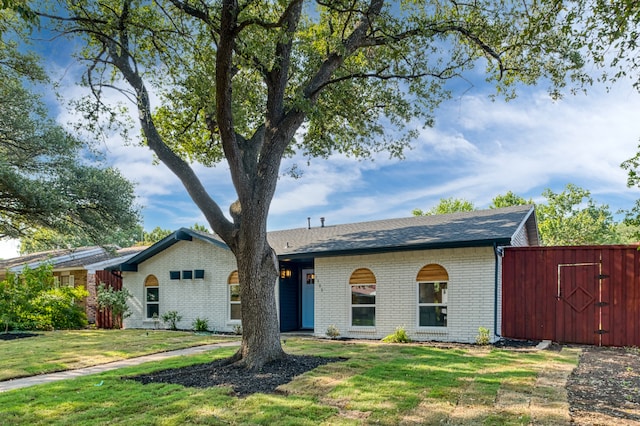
(205, 298)
(470, 293)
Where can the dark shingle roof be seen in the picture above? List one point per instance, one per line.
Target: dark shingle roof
(482, 227)
(469, 229)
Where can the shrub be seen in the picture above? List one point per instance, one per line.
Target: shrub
(116, 301)
(237, 329)
(333, 331)
(398, 336)
(172, 318)
(200, 324)
(483, 336)
(32, 300)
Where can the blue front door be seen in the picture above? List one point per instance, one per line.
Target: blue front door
(308, 284)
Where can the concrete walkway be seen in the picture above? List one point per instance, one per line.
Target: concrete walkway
(69, 374)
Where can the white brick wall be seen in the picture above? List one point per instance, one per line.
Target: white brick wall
(203, 298)
(470, 293)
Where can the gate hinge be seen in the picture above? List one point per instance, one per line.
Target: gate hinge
(601, 304)
(603, 276)
(601, 331)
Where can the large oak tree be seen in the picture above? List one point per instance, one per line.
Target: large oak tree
(50, 182)
(249, 82)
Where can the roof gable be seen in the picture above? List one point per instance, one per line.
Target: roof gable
(182, 234)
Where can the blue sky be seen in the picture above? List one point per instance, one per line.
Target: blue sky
(477, 149)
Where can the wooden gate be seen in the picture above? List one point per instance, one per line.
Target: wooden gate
(104, 318)
(587, 295)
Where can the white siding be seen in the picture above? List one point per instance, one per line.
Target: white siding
(470, 293)
(194, 298)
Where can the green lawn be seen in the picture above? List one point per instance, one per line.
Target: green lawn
(378, 384)
(64, 350)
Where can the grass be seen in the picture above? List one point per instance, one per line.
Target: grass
(65, 350)
(379, 383)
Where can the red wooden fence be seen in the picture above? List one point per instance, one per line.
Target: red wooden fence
(587, 295)
(104, 318)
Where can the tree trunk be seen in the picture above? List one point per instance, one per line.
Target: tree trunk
(258, 273)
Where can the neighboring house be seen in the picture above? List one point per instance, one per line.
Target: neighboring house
(73, 267)
(438, 276)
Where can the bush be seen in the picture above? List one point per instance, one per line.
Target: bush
(333, 331)
(398, 336)
(200, 324)
(32, 300)
(483, 337)
(172, 318)
(116, 301)
(237, 329)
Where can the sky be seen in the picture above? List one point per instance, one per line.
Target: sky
(477, 149)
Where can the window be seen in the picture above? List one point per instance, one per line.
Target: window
(187, 275)
(363, 298)
(174, 275)
(235, 313)
(432, 296)
(152, 297)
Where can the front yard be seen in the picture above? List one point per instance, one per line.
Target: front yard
(54, 351)
(377, 383)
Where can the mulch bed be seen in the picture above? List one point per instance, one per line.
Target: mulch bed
(242, 381)
(13, 336)
(605, 387)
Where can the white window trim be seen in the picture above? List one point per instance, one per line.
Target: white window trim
(229, 303)
(363, 328)
(445, 304)
(146, 303)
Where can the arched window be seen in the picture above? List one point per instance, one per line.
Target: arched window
(363, 298)
(234, 297)
(152, 297)
(432, 296)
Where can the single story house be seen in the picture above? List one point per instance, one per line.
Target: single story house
(438, 276)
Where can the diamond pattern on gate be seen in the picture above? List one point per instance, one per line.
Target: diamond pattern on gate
(573, 298)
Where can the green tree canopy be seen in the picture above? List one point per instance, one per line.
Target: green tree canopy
(47, 184)
(507, 200)
(447, 205)
(249, 82)
(572, 217)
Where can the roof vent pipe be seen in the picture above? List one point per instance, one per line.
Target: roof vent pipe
(308, 223)
(322, 222)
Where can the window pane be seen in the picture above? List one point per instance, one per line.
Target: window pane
(234, 292)
(235, 311)
(362, 316)
(153, 308)
(432, 292)
(363, 294)
(433, 316)
(153, 294)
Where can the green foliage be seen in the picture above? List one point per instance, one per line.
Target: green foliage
(572, 217)
(398, 336)
(483, 337)
(200, 324)
(333, 331)
(116, 301)
(172, 318)
(50, 180)
(32, 300)
(156, 234)
(201, 228)
(507, 200)
(237, 329)
(447, 205)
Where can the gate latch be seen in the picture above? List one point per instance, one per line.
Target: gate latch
(602, 276)
(601, 331)
(601, 304)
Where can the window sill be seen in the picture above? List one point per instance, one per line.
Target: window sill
(432, 330)
(362, 329)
